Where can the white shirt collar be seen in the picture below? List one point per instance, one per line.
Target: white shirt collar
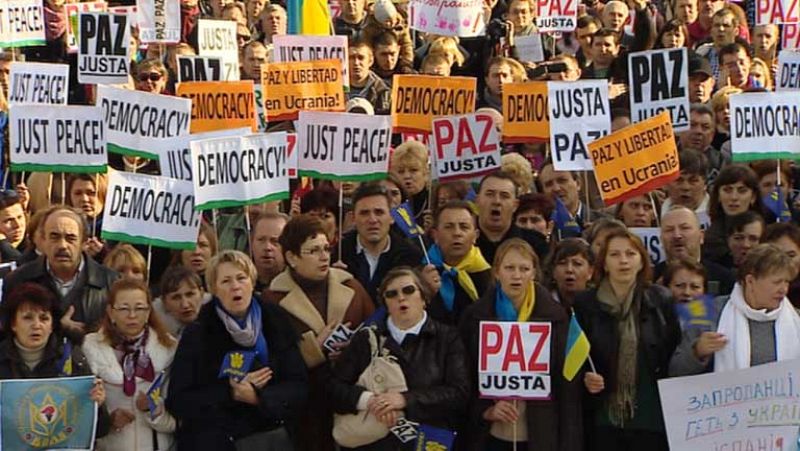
(62, 286)
(372, 260)
(400, 335)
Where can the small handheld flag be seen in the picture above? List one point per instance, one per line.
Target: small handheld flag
(775, 202)
(65, 364)
(154, 398)
(404, 218)
(564, 221)
(698, 313)
(236, 364)
(431, 438)
(577, 350)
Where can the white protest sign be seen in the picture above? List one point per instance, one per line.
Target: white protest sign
(343, 146)
(175, 159)
(151, 210)
(71, 11)
(292, 159)
(658, 81)
(651, 238)
(557, 15)
(764, 125)
(199, 68)
(465, 146)
(462, 18)
(749, 409)
(261, 118)
(38, 83)
(218, 38)
(138, 123)
(529, 48)
(777, 12)
(514, 360)
(231, 172)
(790, 36)
(104, 41)
(57, 138)
(159, 21)
(133, 17)
(21, 23)
(788, 76)
(292, 47)
(579, 114)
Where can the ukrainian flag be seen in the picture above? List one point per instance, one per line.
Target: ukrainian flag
(309, 17)
(577, 349)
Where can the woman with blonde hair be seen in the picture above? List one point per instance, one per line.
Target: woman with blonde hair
(447, 46)
(127, 261)
(410, 165)
(761, 74)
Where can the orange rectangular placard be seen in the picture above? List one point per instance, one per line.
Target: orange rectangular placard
(301, 85)
(418, 99)
(635, 160)
(220, 105)
(525, 113)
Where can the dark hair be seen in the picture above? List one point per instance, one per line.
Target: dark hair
(729, 175)
(322, 198)
(645, 275)
(297, 231)
(385, 39)
(674, 266)
(693, 162)
(402, 271)
(737, 223)
(9, 198)
(566, 248)
(454, 205)
(778, 230)
(669, 26)
(356, 42)
(732, 49)
(537, 202)
(500, 175)
(206, 230)
(459, 187)
(174, 276)
(620, 112)
(372, 189)
(652, 200)
(33, 294)
(606, 32)
(601, 225)
(767, 167)
(702, 108)
(112, 336)
(586, 20)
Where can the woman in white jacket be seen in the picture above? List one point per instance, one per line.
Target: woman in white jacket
(129, 353)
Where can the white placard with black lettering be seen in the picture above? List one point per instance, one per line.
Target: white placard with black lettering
(218, 38)
(38, 83)
(57, 138)
(651, 238)
(159, 21)
(230, 172)
(199, 68)
(104, 41)
(579, 114)
(465, 146)
(529, 48)
(343, 146)
(557, 15)
(788, 71)
(150, 210)
(176, 160)
(22, 23)
(139, 123)
(514, 360)
(658, 81)
(293, 47)
(764, 125)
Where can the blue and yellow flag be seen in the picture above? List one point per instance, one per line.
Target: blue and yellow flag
(699, 313)
(775, 203)
(404, 218)
(65, 363)
(309, 17)
(154, 395)
(236, 364)
(577, 349)
(563, 220)
(430, 438)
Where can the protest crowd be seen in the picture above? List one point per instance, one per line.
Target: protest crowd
(395, 224)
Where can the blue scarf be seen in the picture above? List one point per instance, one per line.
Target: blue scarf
(503, 306)
(246, 333)
(448, 277)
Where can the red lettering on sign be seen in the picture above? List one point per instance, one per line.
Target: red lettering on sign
(486, 331)
(543, 332)
(791, 36)
(442, 138)
(465, 138)
(569, 9)
(515, 353)
(792, 14)
(488, 123)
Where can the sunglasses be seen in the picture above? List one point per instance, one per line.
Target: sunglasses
(407, 290)
(152, 76)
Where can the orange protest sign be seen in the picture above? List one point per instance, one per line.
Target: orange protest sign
(418, 99)
(525, 113)
(301, 85)
(220, 105)
(635, 160)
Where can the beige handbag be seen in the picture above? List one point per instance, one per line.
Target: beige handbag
(382, 375)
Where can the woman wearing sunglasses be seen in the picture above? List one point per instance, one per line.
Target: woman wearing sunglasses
(430, 354)
(151, 76)
(553, 424)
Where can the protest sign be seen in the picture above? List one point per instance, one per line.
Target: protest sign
(136, 122)
(38, 83)
(220, 105)
(159, 21)
(218, 38)
(302, 85)
(21, 23)
(291, 47)
(750, 409)
(423, 137)
(199, 68)
(462, 18)
(525, 112)
(418, 99)
(63, 138)
(103, 48)
(764, 125)
(651, 238)
(237, 171)
(261, 116)
(790, 36)
(557, 15)
(529, 48)
(635, 160)
(71, 11)
(174, 155)
(659, 81)
(292, 158)
(777, 12)
(579, 114)
(54, 413)
(343, 146)
(133, 16)
(466, 146)
(514, 360)
(150, 210)
(788, 70)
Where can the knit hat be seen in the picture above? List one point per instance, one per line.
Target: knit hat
(360, 105)
(384, 11)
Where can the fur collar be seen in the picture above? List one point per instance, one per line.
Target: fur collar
(297, 303)
(104, 361)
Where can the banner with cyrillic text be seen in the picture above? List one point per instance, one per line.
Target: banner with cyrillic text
(556, 15)
(462, 18)
(136, 122)
(218, 38)
(57, 138)
(104, 41)
(418, 99)
(220, 105)
(514, 360)
(175, 158)
(635, 160)
(301, 85)
(150, 210)
(788, 76)
(22, 23)
(659, 81)
(232, 172)
(525, 112)
(777, 12)
(42, 83)
(199, 68)
(343, 146)
(159, 21)
(293, 47)
(579, 114)
(764, 125)
(466, 146)
(71, 11)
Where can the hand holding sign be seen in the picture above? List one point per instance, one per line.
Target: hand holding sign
(502, 411)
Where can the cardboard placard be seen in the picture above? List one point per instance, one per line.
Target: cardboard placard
(514, 360)
(220, 105)
(418, 99)
(579, 114)
(764, 125)
(289, 47)
(525, 112)
(302, 85)
(462, 18)
(218, 38)
(466, 146)
(659, 81)
(103, 48)
(41, 83)
(557, 15)
(21, 23)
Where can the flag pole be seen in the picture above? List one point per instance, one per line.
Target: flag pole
(248, 226)
(588, 207)
(655, 210)
(341, 219)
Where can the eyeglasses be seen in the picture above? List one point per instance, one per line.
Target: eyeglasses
(152, 76)
(407, 290)
(138, 311)
(317, 251)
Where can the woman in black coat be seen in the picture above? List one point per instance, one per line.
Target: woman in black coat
(226, 413)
